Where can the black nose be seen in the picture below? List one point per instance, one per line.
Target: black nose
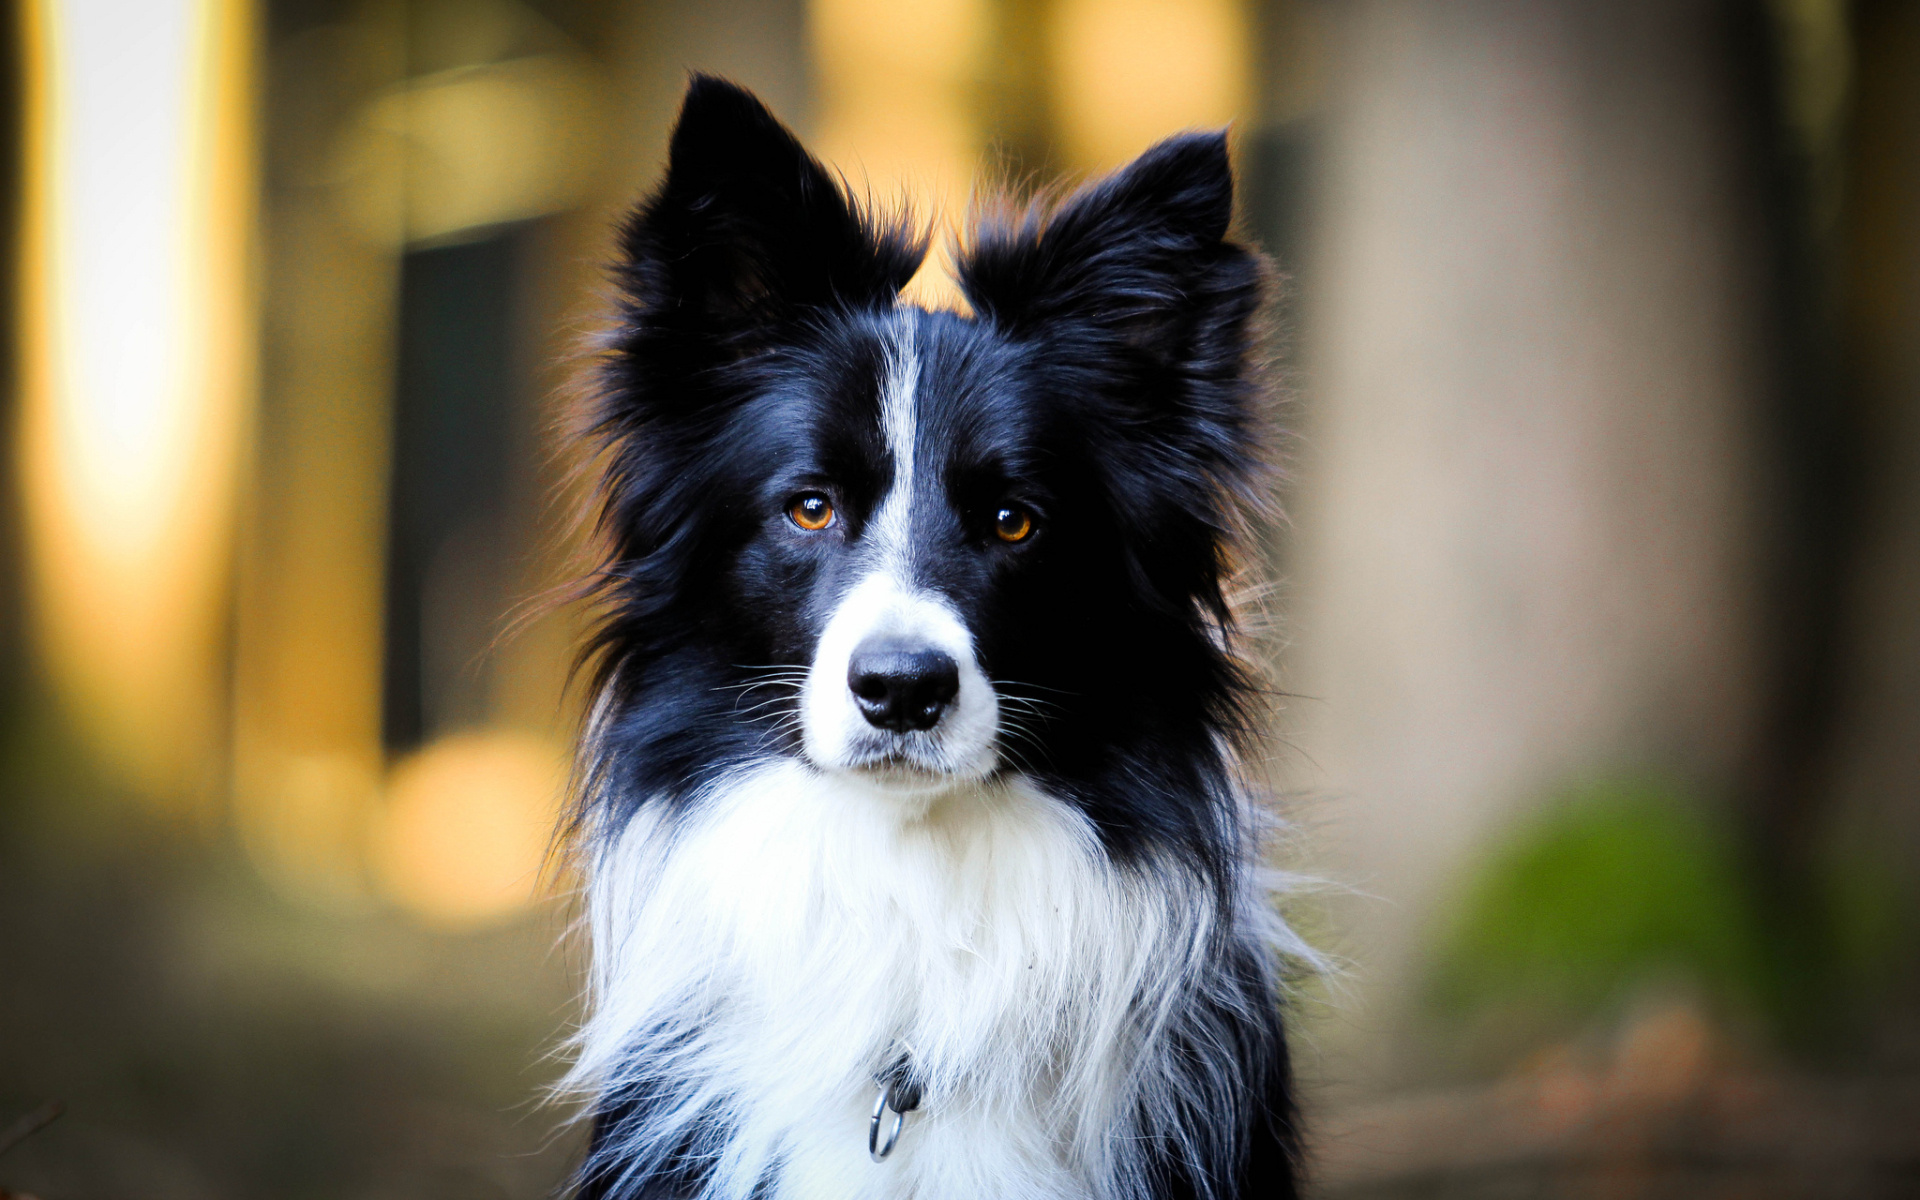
(900, 686)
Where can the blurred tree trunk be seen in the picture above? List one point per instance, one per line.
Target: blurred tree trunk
(1875, 781)
(1537, 539)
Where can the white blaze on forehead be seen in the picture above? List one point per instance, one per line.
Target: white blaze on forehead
(897, 400)
(899, 383)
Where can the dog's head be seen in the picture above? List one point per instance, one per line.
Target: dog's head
(912, 547)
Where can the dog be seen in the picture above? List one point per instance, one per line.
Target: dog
(917, 856)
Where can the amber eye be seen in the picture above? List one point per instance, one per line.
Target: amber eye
(1013, 524)
(811, 511)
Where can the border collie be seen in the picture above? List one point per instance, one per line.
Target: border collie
(917, 858)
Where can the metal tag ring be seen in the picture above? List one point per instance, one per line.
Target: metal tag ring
(876, 1149)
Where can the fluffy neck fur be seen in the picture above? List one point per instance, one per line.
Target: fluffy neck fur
(767, 950)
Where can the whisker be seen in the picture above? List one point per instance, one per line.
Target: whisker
(1034, 705)
(1014, 739)
(765, 682)
(1012, 751)
(786, 680)
(1018, 685)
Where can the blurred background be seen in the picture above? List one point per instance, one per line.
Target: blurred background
(1598, 623)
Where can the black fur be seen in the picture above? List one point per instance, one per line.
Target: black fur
(1104, 381)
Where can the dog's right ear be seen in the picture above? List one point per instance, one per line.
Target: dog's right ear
(749, 231)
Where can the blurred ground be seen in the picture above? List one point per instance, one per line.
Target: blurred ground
(1663, 1106)
(208, 1040)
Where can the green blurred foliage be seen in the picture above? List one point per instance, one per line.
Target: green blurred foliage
(1624, 885)
(1614, 884)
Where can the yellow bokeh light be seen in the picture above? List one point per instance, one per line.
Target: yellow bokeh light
(1126, 73)
(470, 147)
(898, 111)
(465, 828)
(137, 364)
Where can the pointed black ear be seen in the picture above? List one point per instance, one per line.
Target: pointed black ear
(1141, 312)
(748, 229)
(1141, 255)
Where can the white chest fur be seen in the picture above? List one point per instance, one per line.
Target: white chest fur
(795, 933)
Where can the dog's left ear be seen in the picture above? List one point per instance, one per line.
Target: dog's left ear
(1139, 260)
(1144, 309)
